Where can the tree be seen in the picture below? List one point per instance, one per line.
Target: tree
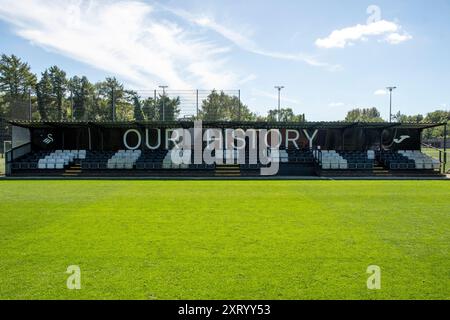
(168, 106)
(149, 109)
(138, 115)
(223, 107)
(364, 115)
(119, 100)
(438, 116)
(59, 87)
(44, 91)
(16, 81)
(286, 115)
(81, 90)
(399, 117)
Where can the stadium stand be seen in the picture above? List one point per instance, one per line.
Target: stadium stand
(29, 155)
(408, 160)
(151, 159)
(330, 159)
(169, 163)
(360, 160)
(421, 160)
(29, 161)
(47, 160)
(299, 156)
(96, 160)
(124, 159)
(60, 159)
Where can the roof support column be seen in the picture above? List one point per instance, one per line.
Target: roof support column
(445, 146)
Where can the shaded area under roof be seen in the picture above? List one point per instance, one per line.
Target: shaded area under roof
(223, 124)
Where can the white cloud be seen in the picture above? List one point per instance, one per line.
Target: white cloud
(242, 40)
(396, 38)
(124, 38)
(380, 92)
(274, 96)
(249, 78)
(336, 104)
(361, 32)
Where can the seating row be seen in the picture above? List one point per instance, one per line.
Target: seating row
(60, 159)
(124, 159)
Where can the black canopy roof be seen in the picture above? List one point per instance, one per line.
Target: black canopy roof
(223, 124)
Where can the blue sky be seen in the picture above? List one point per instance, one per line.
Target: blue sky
(331, 56)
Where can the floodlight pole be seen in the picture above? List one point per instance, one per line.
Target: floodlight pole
(29, 97)
(113, 105)
(390, 101)
(164, 96)
(239, 106)
(71, 104)
(279, 101)
(196, 101)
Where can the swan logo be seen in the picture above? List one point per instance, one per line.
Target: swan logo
(49, 139)
(402, 138)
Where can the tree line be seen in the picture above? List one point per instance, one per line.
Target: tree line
(373, 115)
(54, 96)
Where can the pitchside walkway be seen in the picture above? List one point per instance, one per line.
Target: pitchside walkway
(287, 178)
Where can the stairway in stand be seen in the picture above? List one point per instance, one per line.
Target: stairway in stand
(228, 170)
(73, 171)
(380, 171)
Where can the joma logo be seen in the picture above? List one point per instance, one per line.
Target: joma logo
(402, 138)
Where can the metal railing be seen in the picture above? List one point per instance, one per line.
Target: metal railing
(437, 154)
(15, 153)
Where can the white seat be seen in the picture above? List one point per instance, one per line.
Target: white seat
(51, 165)
(334, 161)
(343, 166)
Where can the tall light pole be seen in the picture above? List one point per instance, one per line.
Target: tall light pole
(30, 104)
(279, 101)
(164, 102)
(390, 101)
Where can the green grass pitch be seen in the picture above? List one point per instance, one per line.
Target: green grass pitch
(225, 239)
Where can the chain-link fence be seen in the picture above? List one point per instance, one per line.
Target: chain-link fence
(190, 101)
(154, 105)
